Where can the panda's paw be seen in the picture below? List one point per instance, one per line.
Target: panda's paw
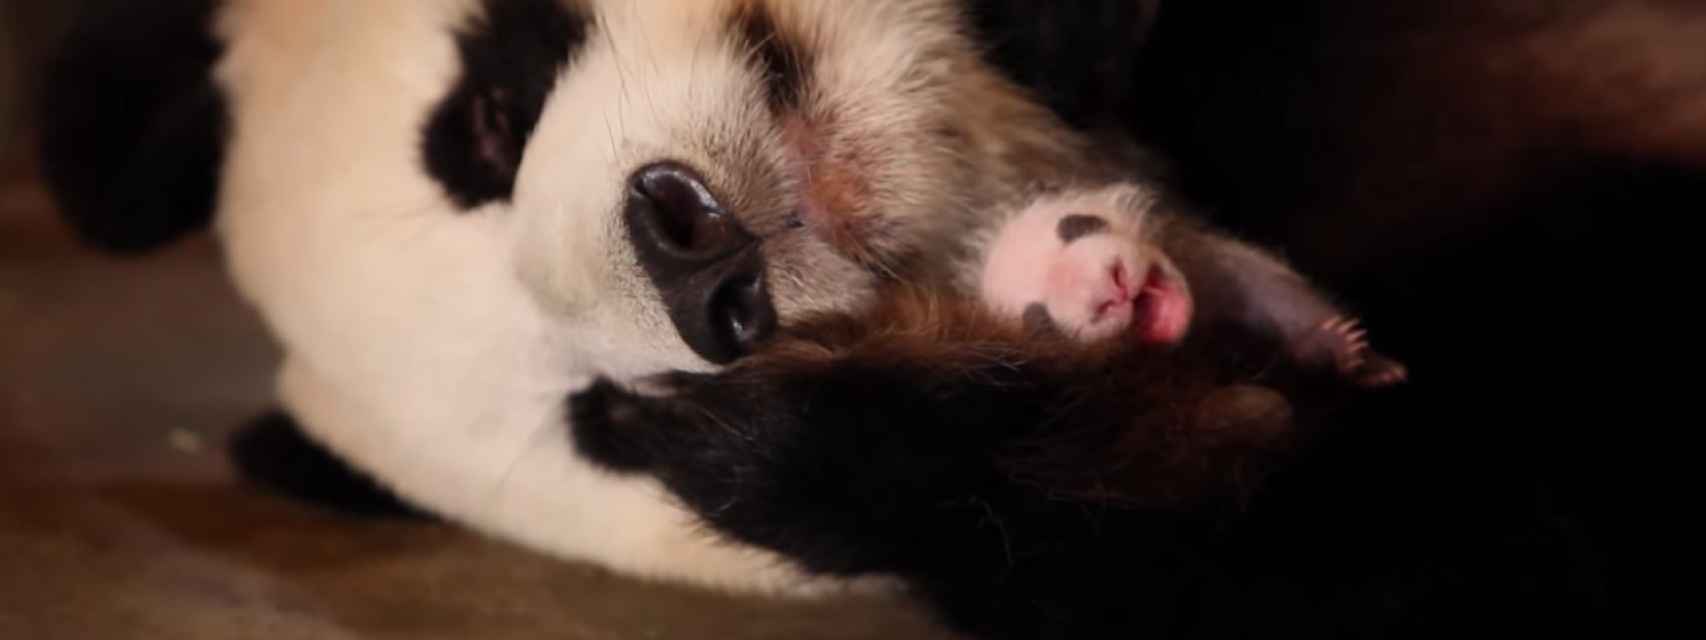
(607, 425)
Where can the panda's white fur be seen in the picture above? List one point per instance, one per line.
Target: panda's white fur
(435, 348)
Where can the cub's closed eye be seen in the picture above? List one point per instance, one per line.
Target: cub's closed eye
(794, 221)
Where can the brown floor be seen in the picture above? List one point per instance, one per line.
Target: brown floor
(120, 518)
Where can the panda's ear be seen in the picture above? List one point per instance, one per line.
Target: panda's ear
(133, 127)
(511, 57)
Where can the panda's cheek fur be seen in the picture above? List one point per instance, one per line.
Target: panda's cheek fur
(806, 276)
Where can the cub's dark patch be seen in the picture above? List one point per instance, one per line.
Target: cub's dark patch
(782, 59)
(511, 57)
(1038, 320)
(1078, 225)
(133, 128)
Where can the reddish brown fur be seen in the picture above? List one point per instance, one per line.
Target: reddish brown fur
(1124, 422)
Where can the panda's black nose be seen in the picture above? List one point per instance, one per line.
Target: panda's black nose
(707, 267)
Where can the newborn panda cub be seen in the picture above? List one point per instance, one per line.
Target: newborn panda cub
(1098, 264)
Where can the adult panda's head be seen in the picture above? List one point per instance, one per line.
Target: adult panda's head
(680, 176)
(723, 167)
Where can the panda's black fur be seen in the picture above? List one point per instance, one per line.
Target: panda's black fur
(272, 452)
(1026, 485)
(1030, 487)
(510, 57)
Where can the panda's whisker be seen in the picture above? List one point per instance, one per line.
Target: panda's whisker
(652, 60)
(621, 76)
(382, 224)
(610, 136)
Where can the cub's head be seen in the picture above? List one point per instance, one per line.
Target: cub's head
(686, 176)
(1087, 264)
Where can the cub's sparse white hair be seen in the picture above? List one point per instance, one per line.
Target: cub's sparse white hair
(1132, 201)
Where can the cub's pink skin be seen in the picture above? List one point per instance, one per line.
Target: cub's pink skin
(1085, 261)
(1104, 263)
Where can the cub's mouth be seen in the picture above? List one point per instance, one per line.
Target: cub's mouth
(1161, 309)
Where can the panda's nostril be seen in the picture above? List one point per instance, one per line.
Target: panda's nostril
(680, 211)
(707, 268)
(742, 307)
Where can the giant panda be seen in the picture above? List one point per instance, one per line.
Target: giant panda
(450, 213)
(438, 289)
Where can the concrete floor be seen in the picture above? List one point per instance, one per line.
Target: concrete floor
(121, 518)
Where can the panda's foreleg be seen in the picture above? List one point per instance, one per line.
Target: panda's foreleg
(1238, 284)
(272, 452)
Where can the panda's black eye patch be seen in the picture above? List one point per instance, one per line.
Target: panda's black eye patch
(780, 57)
(1078, 225)
(511, 54)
